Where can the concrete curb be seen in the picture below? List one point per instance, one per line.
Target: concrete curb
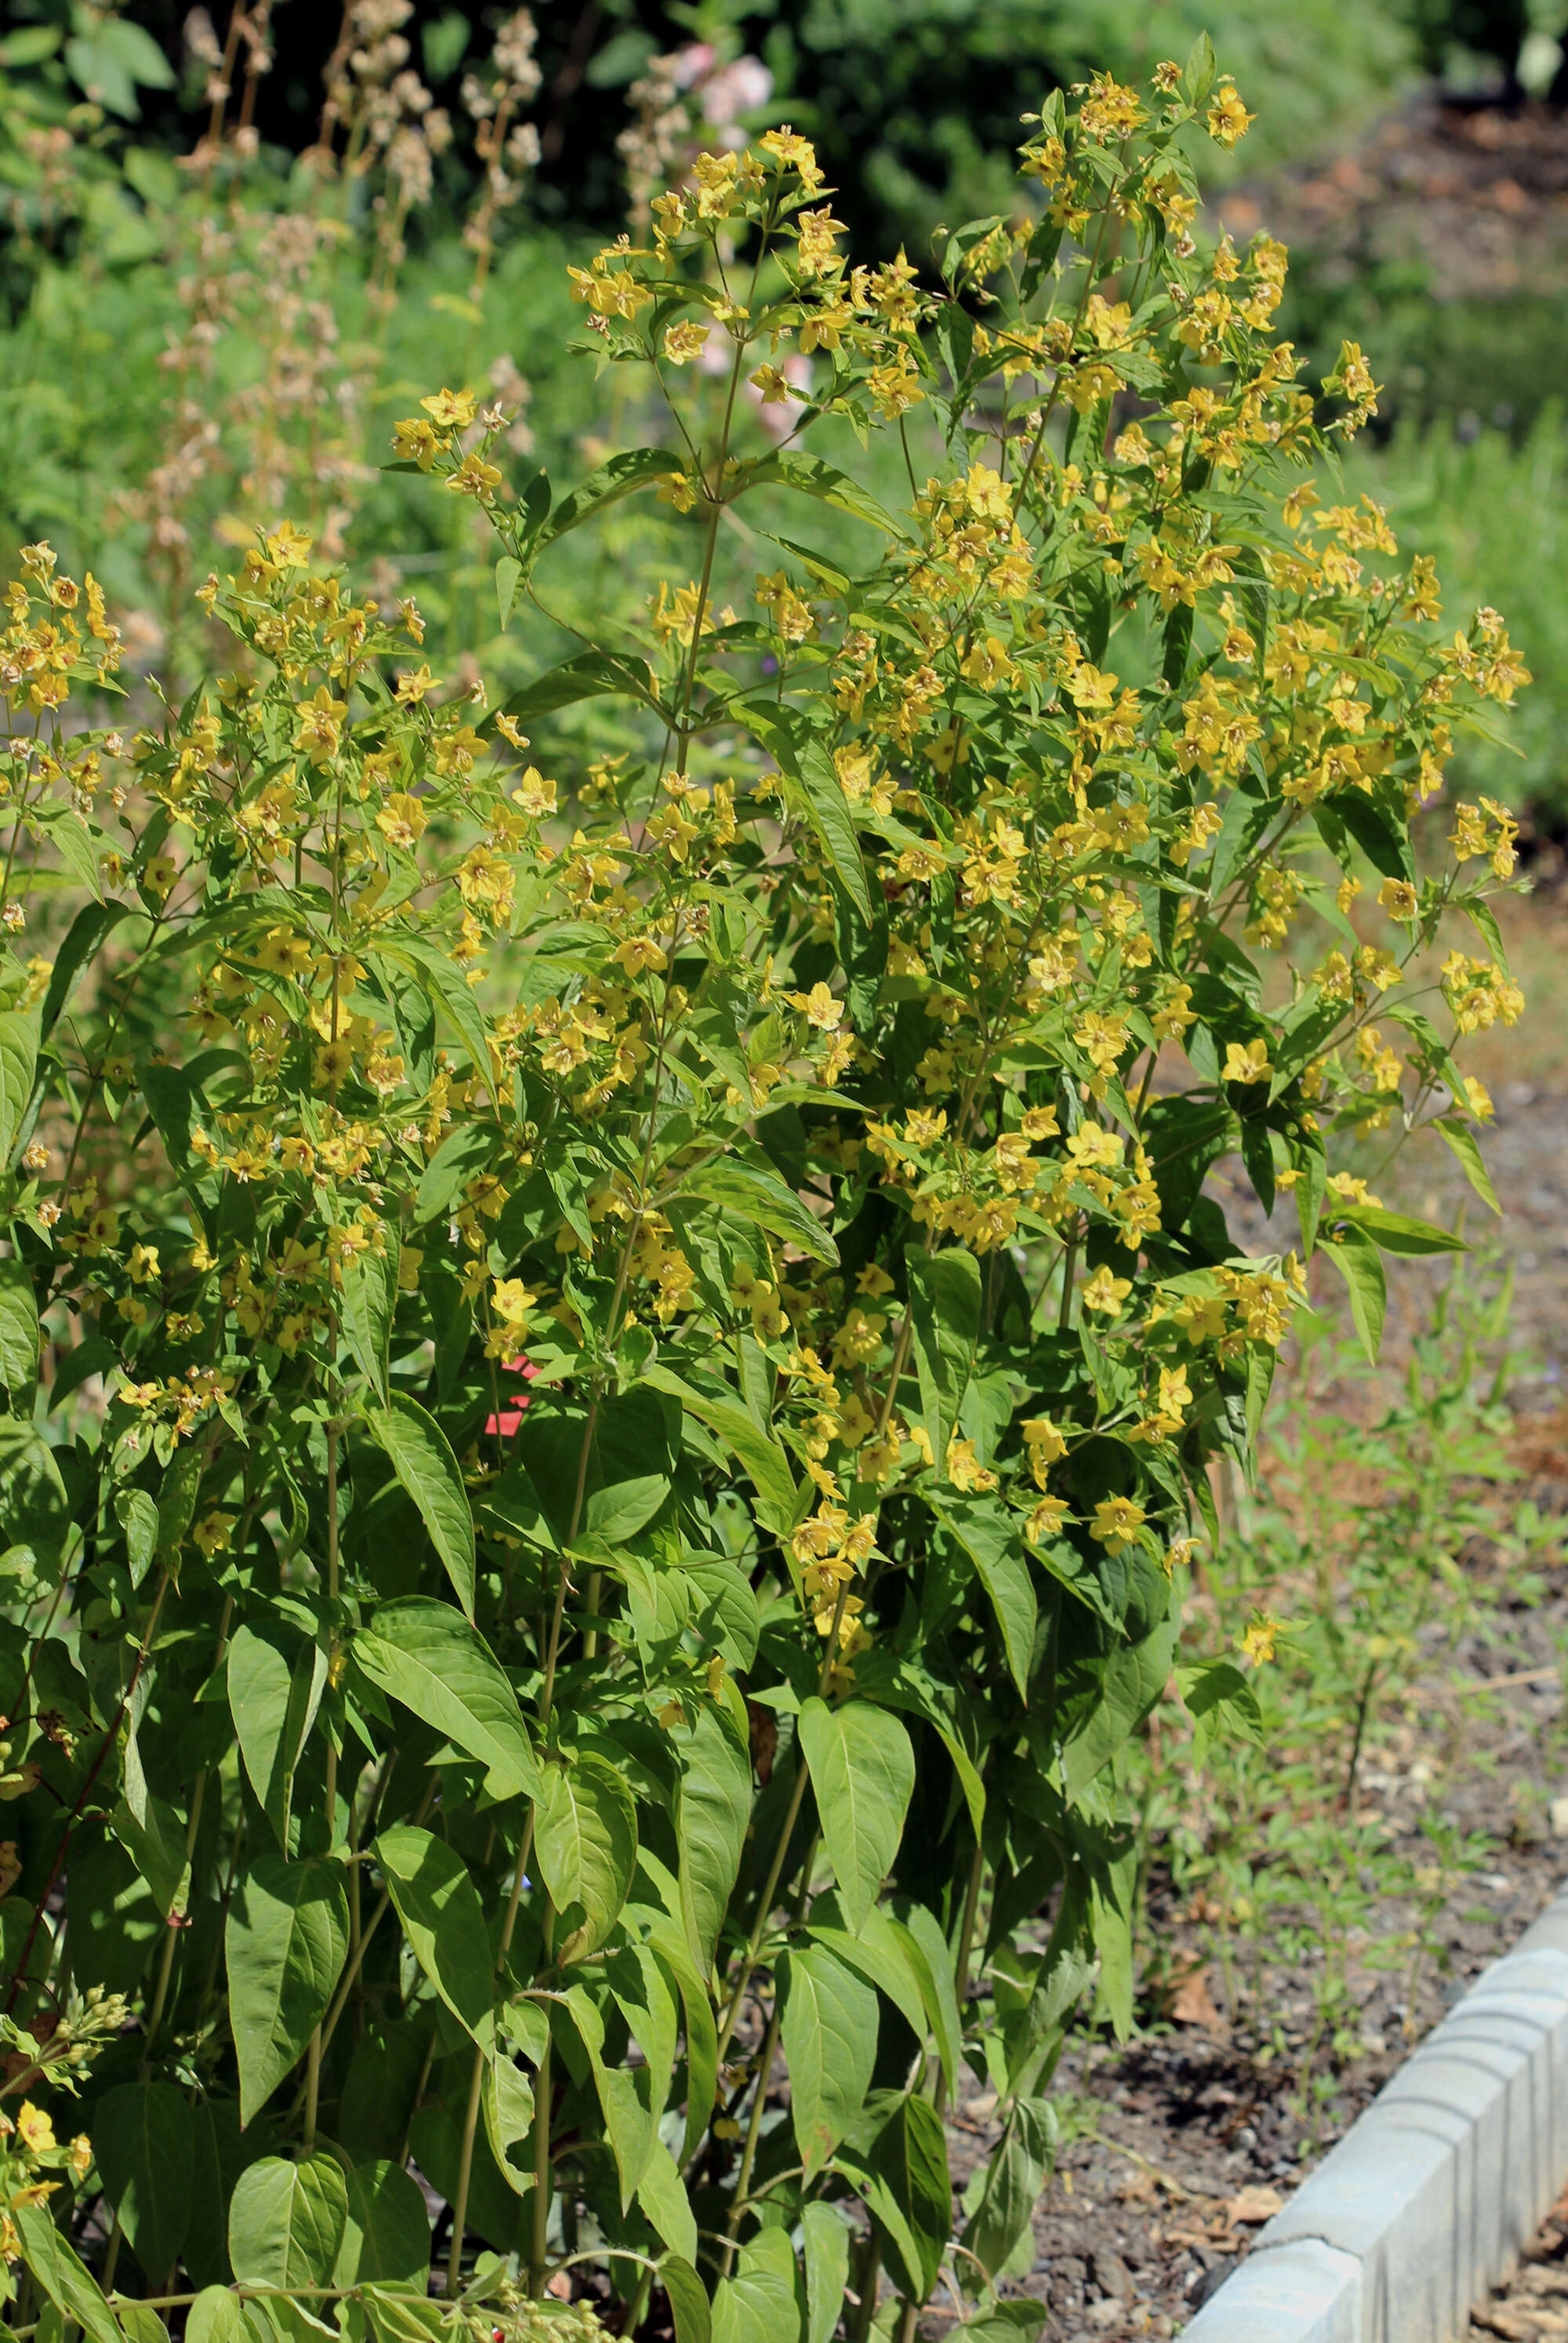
(1432, 2194)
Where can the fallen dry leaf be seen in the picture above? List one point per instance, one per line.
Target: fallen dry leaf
(1191, 2003)
(1254, 2204)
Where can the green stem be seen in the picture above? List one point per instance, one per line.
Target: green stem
(477, 2075)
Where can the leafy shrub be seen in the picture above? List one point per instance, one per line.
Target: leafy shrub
(607, 1379)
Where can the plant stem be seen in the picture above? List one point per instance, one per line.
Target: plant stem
(476, 2076)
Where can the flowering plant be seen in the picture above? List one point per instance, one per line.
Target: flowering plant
(630, 1359)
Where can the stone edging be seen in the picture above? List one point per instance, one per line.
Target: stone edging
(1434, 2193)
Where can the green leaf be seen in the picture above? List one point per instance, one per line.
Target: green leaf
(275, 1688)
(438, 1905)
(443, 977)
(369, 1299)
(661, 2192)
(1219, 1696)
(932, 1959)
(287, 2220)
(385, 2229)
(69, 2285)
(632, 468)
(218, 2315)
(814, 789)
(138, 1517)
(18, 1326)
(1397, 1232)
(829, 2036)
(1357, 1259)
(18, 1063)
(507, 2100)
(760, 2303)
(398, 2317)
(144, 2148)
(1120, 1691)
(285, 1945)
(427, 1655)
(421, 1456)
(826, 2243)
(1018, 2169)
(880, 1955)
(687, 2300)
(994, 1541)
(712, 1818)
(592, 674)
(508, 578)
(585, 1835)
(754, 1195)
(812, 478)
(1465, 1147)
(863, 1773)
(904, 2181)
(758, 1451)
(944, 1324)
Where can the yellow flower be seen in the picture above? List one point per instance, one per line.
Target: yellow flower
(402, 819)
(34, 2128)
(1228, 118)
(818, 1008)
(450, 410)
(1247, 1061)
(639, 952)
(1045, 1520)
(474, 477)
(1104, 1291)
(1258, 1643)
(1117, 1522)
(211, 1535)
(1397, 898)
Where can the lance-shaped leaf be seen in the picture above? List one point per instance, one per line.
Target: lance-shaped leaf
(18, 1326)
(760, 1454)
(826, 2241)
(427, 1655)
(904, 2180)
(144, 2147)
(1462, 1143)
(944, 1327)
(863, 1771)
(275, 1687)
(994, 1541)
(443, 1920)
(439, 973)
(1018, 2171)
(369, 1299)
(1359, 1262)
(632, 468)
(711, 1821)
(829, 2036)
(285, 1944)
(62, 2275)
(813, 787)
(421, 1456)
(18, 1061)
(585, 1835)
(755, 1195)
